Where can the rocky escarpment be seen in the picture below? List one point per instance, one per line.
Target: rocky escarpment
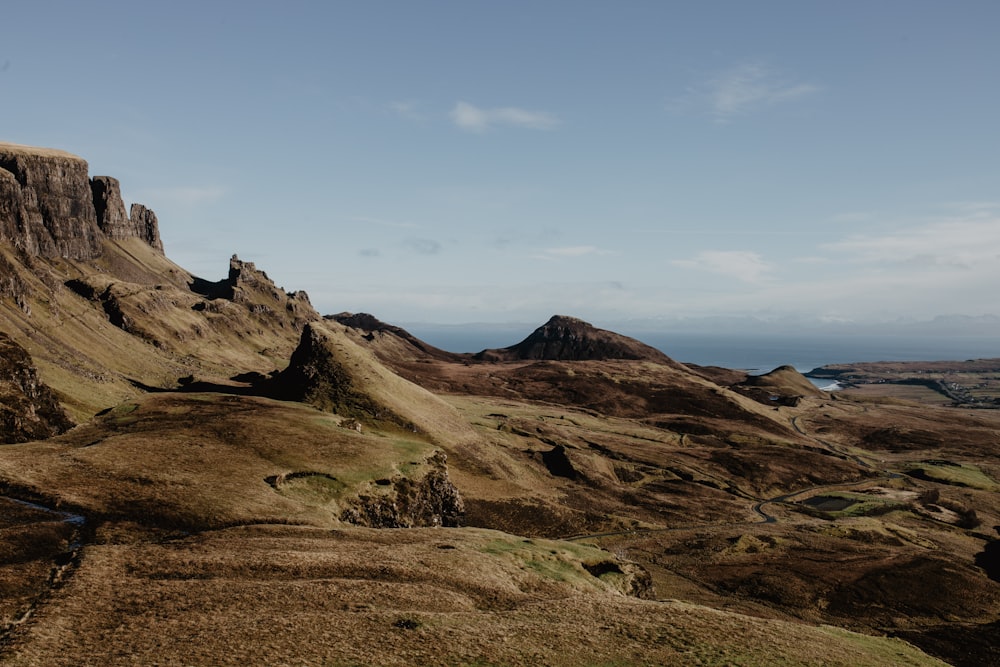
(46, 204)
(112, 219)
(569, 339)
(50, 208)
(250, 287)
(244, 309)
(29, 409)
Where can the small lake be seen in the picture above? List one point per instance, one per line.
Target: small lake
(829, 503)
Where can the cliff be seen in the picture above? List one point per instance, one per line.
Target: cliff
(50, 208)
(46, 204)
(111, 217)
(29, 410)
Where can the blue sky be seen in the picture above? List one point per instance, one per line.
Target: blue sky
(472, 161)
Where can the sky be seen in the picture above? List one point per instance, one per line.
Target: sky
(469, 161)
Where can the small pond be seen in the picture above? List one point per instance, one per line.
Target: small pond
(829, 503)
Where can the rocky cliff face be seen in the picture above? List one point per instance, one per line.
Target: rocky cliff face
(28, 408)
(141, 223)
(46, 204)
(50, 208)
(145, 226)
(110, 209)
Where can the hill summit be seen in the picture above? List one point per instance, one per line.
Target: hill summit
(565, 338)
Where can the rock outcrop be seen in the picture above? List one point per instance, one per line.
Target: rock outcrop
(145, 226)
(141, 223)
(110, 209)
(407, 503)
(570, 339)
(251, 287)
(316, 376)
(46, 203)
(29, 409)
(50, 208)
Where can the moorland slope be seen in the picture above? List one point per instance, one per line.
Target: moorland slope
(202, 472)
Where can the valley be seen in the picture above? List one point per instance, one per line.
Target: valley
(199, 472)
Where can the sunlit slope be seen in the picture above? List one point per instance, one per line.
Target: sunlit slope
(199, 461)
(97, 329)
(292, 595)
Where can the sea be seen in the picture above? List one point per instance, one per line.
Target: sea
(754, 353)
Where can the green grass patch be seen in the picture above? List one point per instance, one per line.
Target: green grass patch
(956, 474)
(123, 414)
(313, 489)
(556, 561)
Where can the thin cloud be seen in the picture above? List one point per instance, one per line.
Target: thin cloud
(407, 109)
(423, 246)
(743, 265)
(744, 88)
(961, 242)
(475, 119)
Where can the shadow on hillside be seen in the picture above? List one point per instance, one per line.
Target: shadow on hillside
(201, 386)
(989, 558)
(208, 289)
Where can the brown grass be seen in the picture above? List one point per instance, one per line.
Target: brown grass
(266, 595)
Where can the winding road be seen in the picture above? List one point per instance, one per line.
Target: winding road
(760, 503)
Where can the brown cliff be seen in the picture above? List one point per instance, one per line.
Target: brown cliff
(29, 409)
(111, 217)
(145, 226)
(46, 204)
(50, 208)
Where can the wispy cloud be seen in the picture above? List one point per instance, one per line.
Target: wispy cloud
(743, 265)
(408, 109)
(956, 242)
(476, 119)
(744, 88)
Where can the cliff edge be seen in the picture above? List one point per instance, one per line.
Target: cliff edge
(49, 206)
